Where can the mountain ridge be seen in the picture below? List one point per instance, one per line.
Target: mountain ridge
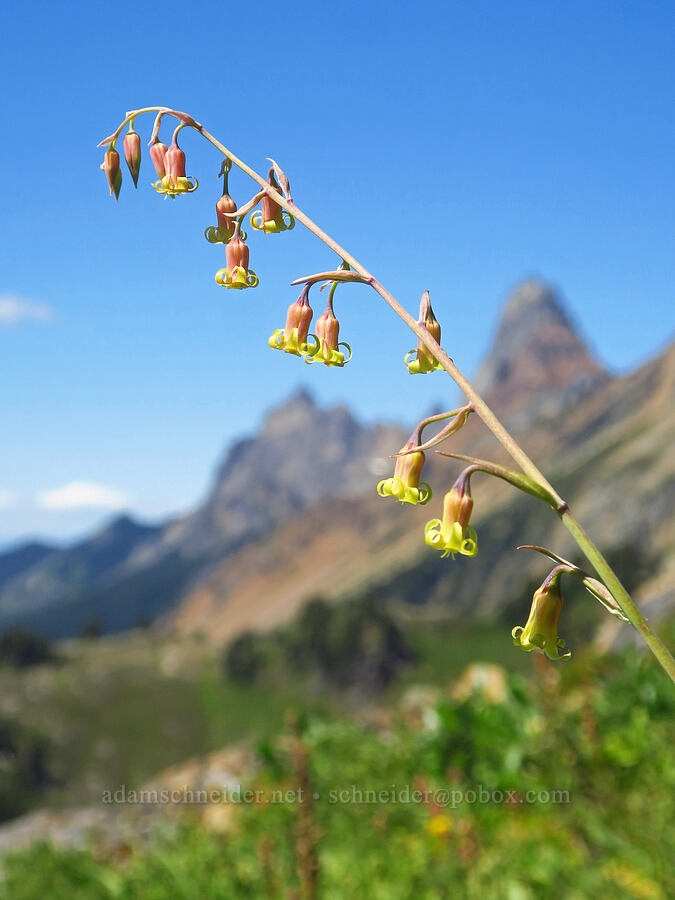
(268, 480)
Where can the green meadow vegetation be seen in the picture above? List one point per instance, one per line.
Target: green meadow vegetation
(534, 779)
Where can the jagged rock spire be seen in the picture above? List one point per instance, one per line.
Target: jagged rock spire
(538, 362)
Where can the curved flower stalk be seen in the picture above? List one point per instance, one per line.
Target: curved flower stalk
(424, 360)
(270, 217)
(594, 587)
(452, 534)
(517, 479)
(405, 485)
(430, 354)
(237, 274)
(293, 337)
(461, 416)
(540, 632)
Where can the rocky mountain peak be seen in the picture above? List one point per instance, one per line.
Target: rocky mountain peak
(538, 363)
(291, 415)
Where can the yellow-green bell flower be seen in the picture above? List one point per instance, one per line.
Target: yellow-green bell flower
(293, 337)
(327, 349)
(453, 534)
(175, 181)
(424, 361)
(405, 484)
(237, 274)
(270, 217)
(541, 629)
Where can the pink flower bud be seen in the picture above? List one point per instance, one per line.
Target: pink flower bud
(111, 167)
(158, 156)
(132, 154)
(328, 329)
(226, 224)
(236, 252)
(271, 211)
(175, 162)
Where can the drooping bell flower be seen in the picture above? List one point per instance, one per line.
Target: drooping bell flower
(405, 483)
(158, 156)
(327, 348)
(222, 233)
(175, 181)
(293, 337)
(541, 629)
(270, 217)
(424, 360)
(132, 153)
(237, 274)
(111, 167)
(453, 534)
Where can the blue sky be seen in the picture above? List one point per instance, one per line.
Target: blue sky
(450, 146)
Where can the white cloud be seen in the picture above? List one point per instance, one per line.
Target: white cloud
(6, 499)
(18, 309)
(82, 495)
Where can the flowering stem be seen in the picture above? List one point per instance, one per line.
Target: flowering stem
(480, 407)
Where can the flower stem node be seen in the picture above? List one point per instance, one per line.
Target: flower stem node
(453, 534)
(175, 181)
(111, 167)
(541, 629)
(405, 484)
(293, 337)
(270, 217)
(237, 274)
(424, 361)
